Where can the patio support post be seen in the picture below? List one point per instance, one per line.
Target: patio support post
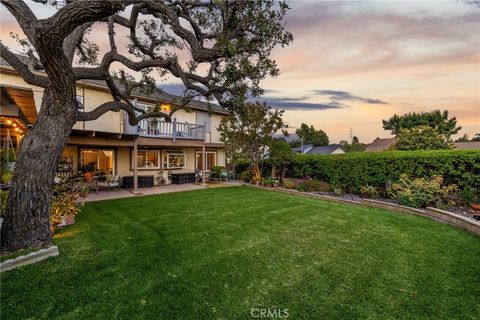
(203, 165)
(135, 166)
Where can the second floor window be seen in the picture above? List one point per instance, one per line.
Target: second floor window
(148, 159)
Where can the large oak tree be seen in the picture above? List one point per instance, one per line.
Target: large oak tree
(218, 49)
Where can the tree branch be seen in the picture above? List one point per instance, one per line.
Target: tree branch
(22, 69)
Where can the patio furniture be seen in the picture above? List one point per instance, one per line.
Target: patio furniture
(198, 174)
(112, 181)
(219, 174)
(143, 182)
(181, 178)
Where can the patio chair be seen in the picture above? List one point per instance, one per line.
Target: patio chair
(112, 181)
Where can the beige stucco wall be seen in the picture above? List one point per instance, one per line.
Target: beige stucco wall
(124, 163)
(111, 121)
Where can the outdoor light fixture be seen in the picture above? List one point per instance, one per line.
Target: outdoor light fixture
(166, 107)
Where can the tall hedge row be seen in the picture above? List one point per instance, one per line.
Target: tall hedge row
(351, 171)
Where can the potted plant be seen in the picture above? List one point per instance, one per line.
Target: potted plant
(87, 171)
(8, 158)
(65, 206)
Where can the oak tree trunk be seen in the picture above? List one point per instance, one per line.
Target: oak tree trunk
(27, 218)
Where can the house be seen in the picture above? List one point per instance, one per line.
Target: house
(154, 151)
(303, 149)
(384, 144)
(380, 144)
(468, 145)
(323, 150)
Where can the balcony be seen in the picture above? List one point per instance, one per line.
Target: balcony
(163, 129)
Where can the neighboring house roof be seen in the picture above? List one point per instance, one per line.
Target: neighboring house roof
(380, 144)
(470, 145)
(157, 95)
(306, 148)
(324, 150)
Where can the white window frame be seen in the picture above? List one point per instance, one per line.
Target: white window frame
(167, 164)
(206, 152)
(146, 152)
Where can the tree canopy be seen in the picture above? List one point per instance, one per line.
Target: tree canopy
(355, 146)
(248, 132)
(422, 138)
(281, 155)
(436, 119)
(219, 50)
(312, 136)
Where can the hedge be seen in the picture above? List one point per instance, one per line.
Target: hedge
(351, 171)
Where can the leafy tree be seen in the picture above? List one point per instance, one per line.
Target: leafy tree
(312, 136)
(464, 138)
(248, 133)
(422, 138)
(435, 119)
(476, 138)
(218, 49)
(355, 146)
(281, 155)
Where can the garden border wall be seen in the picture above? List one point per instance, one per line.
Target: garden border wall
(30, 258)
(432, 213)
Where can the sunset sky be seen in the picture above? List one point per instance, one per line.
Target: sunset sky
(352, 64)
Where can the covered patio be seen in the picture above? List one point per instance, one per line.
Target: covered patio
(128, 193)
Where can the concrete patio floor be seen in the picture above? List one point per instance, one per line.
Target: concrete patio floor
(127, 193)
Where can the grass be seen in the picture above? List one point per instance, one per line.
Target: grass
(218, 253)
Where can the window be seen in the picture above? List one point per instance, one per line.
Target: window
(211, 160)
(148, 159)
(97, 160)
(174, 160)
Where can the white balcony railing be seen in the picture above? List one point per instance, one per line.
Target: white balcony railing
(164, 129)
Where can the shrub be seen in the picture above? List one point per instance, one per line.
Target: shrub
(269, 182)
(64, 202)
(369, 191)
(421, 193)
(313, 185)
(466, 195)
(246, 176)
(353, 170)
(288, 184)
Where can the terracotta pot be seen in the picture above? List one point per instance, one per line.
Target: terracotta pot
(53, 228)
(87, 176)
(475, 206)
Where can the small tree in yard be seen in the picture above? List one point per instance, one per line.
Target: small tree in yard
(312, 136)
(422, 138)
(281, 155)
(248, 133)
(217, 49)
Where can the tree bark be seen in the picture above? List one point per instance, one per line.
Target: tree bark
(27, 218)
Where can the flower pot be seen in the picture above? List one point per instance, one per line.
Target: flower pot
(53, 227)
(88, 176)
(475, 206)
(67, 220)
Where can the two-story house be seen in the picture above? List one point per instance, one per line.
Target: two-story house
(153, 151)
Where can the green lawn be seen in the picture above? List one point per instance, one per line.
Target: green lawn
(218, 253)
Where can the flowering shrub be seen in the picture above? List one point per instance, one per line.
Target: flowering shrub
(313, 185)
(369, 191)
(64, 202)
(421, 193)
